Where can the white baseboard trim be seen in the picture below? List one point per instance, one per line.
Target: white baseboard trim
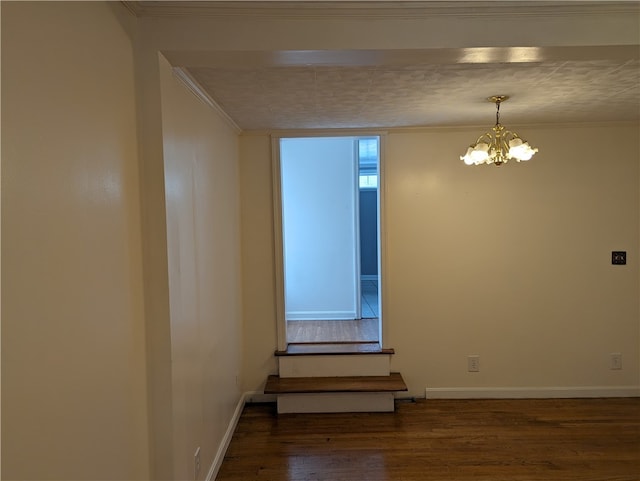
(531, 392)
(320, 315)
(224, 444)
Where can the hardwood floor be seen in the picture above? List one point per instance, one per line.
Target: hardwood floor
(480, 440)
(361, 330)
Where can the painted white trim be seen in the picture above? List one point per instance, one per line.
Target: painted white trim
(369, 277)
(279, 277)
(228, 435)
(531, 392)
(355, 230)
(321, 315)
(334, 365)
(196, 89)
(378, 8)
(383, 327)
(278, 243)
(339, 402)
(424, 128)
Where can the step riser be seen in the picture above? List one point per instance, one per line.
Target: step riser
(335, 365)
(336, 403)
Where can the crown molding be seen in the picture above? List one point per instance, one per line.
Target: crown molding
(380, 8)
(196, 89)
(382, 131)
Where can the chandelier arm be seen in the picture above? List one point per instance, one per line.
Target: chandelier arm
(510, 133)
(486, 136)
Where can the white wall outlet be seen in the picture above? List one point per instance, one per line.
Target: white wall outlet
(616, 360)
(473, 363)
(196, 463)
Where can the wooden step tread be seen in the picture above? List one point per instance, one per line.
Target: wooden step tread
(328, 348)
(277, 385)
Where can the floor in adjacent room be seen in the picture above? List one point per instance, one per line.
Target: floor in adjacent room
(369, 298)
(358, 330)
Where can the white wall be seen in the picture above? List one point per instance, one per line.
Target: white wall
(203, 240)
(511, 263)
(320, 228)
(74, 403)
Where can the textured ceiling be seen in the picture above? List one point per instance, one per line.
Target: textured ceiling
(573, 72)
(424, 95)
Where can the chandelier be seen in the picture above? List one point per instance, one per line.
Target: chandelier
(500, 146)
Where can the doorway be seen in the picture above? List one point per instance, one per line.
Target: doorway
(327, 204)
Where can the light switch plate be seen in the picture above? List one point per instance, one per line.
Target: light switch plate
(619, 258)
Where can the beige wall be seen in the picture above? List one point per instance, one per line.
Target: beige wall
(510, 263)
(79, 345)
(73, 358)
(203, 239)
(209, 39)
(195, 37)
(258, 275)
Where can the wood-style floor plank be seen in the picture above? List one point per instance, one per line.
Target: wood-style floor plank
(359, 330)
(457, 440)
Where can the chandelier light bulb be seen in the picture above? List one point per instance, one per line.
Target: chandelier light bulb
(500, 145)
(520, 150)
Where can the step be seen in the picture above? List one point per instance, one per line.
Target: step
(334, 359)
(332, 348)
(391, 383)
(335, 394)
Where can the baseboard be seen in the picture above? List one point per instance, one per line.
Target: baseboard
(320, 315)
(531, 392)
(222, 449)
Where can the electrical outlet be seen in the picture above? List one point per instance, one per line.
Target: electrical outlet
(473, 363)
(196, 463)
(616, 360)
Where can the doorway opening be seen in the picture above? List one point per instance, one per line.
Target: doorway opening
(328, 238)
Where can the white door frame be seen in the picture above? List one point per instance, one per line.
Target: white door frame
(281, 323)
